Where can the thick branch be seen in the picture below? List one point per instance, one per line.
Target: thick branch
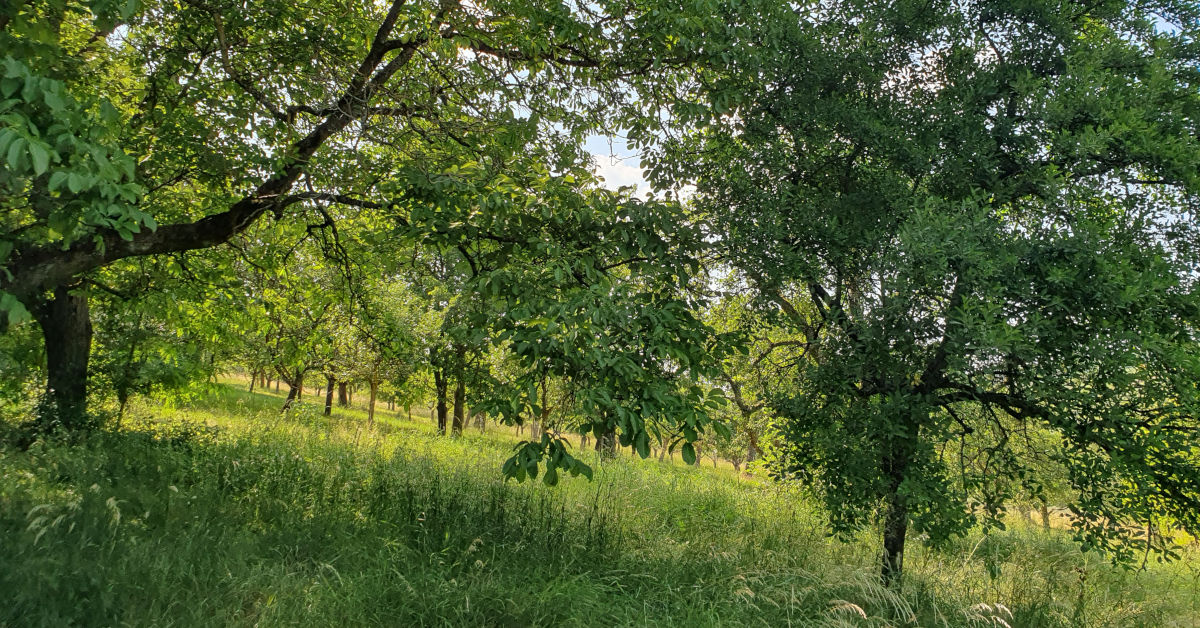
(36, 269)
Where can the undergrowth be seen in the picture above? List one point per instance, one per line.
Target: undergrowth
(223, 512)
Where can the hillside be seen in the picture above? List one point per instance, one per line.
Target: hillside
(222, 512)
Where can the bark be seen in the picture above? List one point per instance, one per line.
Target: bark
(895, 519)
(329, 381)
(895, 529)
(374, 385)
(460, 398)
(753, 451)
(67, 330)
(440, 384)
(343, 395)
(295, 384)
(253, 380)
(35, 268)
(606, 443)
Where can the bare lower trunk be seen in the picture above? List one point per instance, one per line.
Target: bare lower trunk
(67, 330)
(895, 518)
(329, 381)
(295, 385)
(371, 404)
(253, 380)
(440, 384)
(753, 451)
(460, 399)
(606, 443)
(895, 529)
(343, 395)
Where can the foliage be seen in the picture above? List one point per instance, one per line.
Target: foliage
(990, 210)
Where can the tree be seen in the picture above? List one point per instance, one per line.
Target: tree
(991, 209)
(142, 128)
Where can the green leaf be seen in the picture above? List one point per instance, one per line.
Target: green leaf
(57, 179)
(76, 183)
(689, 453)
(17, 313)
(39, 156)
(641, 443)
(15, 151)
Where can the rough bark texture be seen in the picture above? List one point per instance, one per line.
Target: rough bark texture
(343, 395)
(67, 328)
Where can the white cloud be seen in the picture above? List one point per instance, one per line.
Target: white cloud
(617, 172)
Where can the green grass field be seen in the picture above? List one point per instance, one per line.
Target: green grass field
(223, 512)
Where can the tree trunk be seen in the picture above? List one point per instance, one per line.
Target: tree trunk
(606, 443)
(895, 518)
(440, 384)
(343, 395)
(753, 451)
(895, 529)
(67, 330)
(253, 380)
(329, 381)
(374, 385)
(460, 399)
(295, 384)
(276, 385)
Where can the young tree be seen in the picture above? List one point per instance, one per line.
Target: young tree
(991, 209)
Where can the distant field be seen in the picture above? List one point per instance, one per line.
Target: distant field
(223, 512)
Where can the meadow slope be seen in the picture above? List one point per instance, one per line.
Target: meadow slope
(221, 511)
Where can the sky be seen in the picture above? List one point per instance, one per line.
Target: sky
(617, 164)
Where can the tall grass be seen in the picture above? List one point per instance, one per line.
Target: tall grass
(222, 512)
